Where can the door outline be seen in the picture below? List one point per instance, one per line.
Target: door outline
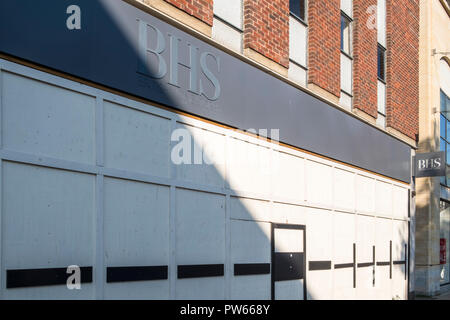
(272, 240)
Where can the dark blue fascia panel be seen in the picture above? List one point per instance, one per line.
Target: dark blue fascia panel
(106, 51)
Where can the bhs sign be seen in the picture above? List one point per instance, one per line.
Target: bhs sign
(430, 164)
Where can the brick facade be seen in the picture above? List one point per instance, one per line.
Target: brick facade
(201, 9)
(402, 104)
(324, 45)
(365, 57)
(266, 29)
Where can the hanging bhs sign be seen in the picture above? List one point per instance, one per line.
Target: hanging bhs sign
(430, 164)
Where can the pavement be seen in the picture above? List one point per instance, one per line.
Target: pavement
(444, 296)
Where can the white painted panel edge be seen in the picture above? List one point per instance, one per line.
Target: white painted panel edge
(99, 138)
(99, 268)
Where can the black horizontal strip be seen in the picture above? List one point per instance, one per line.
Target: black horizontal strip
(343, 265)
(144, 273)
(383, 263)
(43, 277)
(246, 269)
(399, 262)
(200, 271)
(365, 264)
(319, 265)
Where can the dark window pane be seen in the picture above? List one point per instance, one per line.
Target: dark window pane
(302, 9)
(448, 104)
(443, 102)
(443, 148)
(443, 121)
(381, 63)
(447, 137)
(448, 154)
(298, 8)
(294, 7)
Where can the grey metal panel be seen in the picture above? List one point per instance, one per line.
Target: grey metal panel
(105, 51)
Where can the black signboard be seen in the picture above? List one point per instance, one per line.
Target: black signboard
(431, 164)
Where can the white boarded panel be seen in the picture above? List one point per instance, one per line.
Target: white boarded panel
(288, 214)
(343, 240)
(399, 283)
(319, 183)
(297, 74)
(136, 141)
(381, 97)
(288, 240)
(48, 219)
(383, 198)
(289, 290)
(399, 240)
(207, 161)
(200, 239)
(365, 194)
(345, 101)
(344, 237)
(319, 235)
(249, 209)
(383, 234)
(400, 196)
(365, 238)
(248, 167)
(136, 226)
(365, 242)
(320, 284)
(346, 74)
(343, 284)
(200, 227)
(211, 288)
(382, 283)
(297, 41)
(319, 239)
(42, 119)
(226, 35)
(381, 120)
(250, 243)
(230, 11)
(347, 7)
(289, 179)
(344, 189)
(381, 22)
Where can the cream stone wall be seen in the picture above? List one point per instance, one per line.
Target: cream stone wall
(434, 26)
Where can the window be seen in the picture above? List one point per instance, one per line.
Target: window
(298, 8)
(445, 131)
(346, 34)
(381, 63)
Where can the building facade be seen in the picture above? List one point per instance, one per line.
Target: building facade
(432, 235)
(200, 149)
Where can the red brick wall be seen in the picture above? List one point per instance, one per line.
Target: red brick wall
(402, 105)
(266, 29)
(324, 45)
(365, 57)
(201, 9)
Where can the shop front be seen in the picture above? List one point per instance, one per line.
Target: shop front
(165, 167)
